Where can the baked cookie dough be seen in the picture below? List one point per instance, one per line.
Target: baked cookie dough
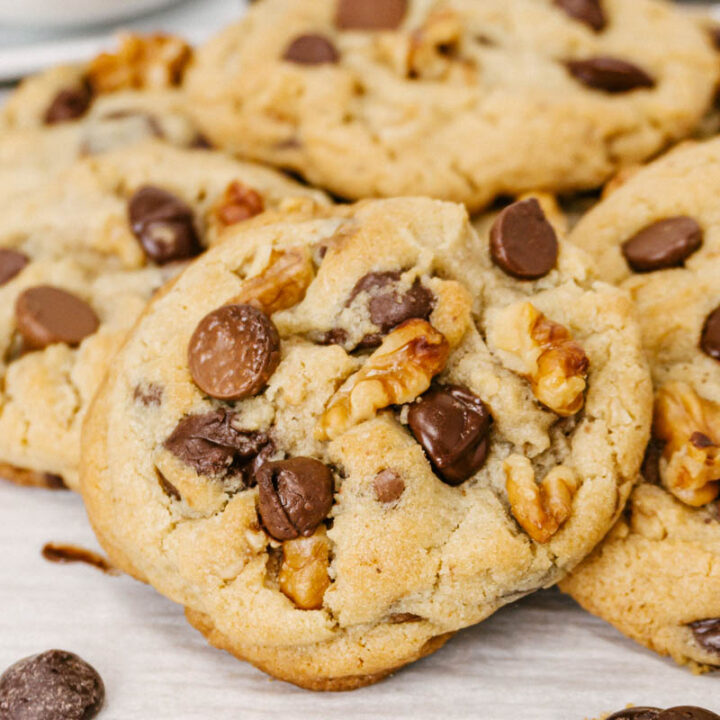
(455, 99)
(369, 428)
(79, 258)
(657, 576)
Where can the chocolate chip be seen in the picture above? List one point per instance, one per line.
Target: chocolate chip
(650, 469)
(211, 445)
(163, 224)
(11, 263)
(714, 33)
(167, 487)
(636, 713)
(311, 50)
(710, 338)
(707, 634)
(664, 244)
(452, 424)
(389, 486)
(336, 336)
(370, 14)
(54, 685)
(295, 496)
(233, 352)
(687, 712)
(148, 394)
(47, 315)
(589, 12)
(69, 104)
(522, 242)
(610, 74)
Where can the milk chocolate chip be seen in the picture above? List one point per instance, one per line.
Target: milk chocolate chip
(610, 74)
(710, 338)
(295, 496)
(54, 685)
(687, 712)
(707, 634)
(636, 713)
(664, 244)
(69, 104)
(211, 445)
(370, 14)
(163, 224)
(522, 242)
(311, 50)
(388, 485)
(452, 424)
(233, 352)
(11, 263)
(589, 12)
(47, 315)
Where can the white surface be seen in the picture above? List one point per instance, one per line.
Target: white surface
(541, 659)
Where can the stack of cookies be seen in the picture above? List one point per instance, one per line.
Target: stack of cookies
(467, 349)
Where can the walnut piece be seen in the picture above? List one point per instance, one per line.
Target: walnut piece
(304, 572)
(689, 425)
(545, 352)
(540, 509)
(282, 284)
(399, 371)
(238, 203)
(148, 62)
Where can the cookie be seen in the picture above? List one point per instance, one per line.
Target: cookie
(368, 432)
(657, 577)
(459, 100)
(79, 258)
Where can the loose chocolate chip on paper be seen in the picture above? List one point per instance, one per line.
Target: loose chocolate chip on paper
(710, 338)
(295, 496)
(589, 12)
(452, 424)
(707, 634)
(163, 224)
(47, 315)
(610, 74)
(69, 104)
(54, 685)
(636, 713)
(687, 712)
(388, 485)
(233, 352)
(664, 244)
(11, 263)
(311, 50)
(370, 14)
(522, 242)
(211, 445)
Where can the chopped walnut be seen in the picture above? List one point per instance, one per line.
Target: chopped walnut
(304, 572)
(452, 314)
(540, 509)
(399, 371)
(238, 203)
(689, 425)
(141, 62)
(282, 284)
(554, 363)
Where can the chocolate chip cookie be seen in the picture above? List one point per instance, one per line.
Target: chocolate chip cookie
(80, 255)
(657, 577)
(459, 100)
(339, 439)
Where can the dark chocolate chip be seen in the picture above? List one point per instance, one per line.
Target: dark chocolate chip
(46, 315)
(163, 224)
(589, 12)
(636, 713)
(452, 424)
(311, 50)
(522, 242)
(54, 685)
(651, 463)
(211, 445)
(69, 104)
(336, 336)
(148, 394)
(609, 74)
(664, 244)
(233, 352)
(11, 263)
(295, 496)
(370, 14)
(710, 338)
(388, 485)
(687, 712)
(707, 634)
